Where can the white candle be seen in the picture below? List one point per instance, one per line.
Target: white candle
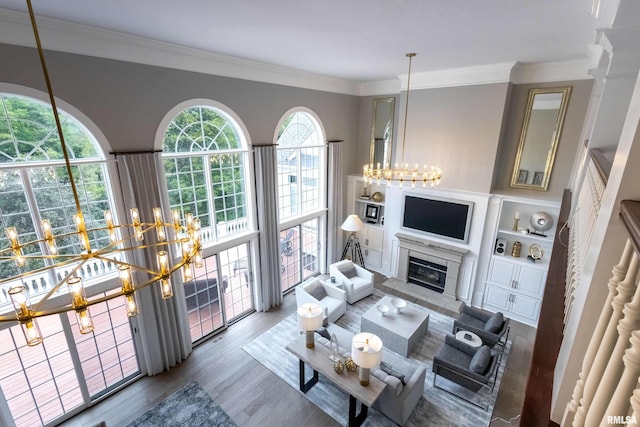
(517, 215)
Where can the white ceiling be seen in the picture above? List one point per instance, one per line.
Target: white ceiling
(356, 40)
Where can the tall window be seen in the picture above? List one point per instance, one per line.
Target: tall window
(205, 162)
(301, 195)
(43, 384)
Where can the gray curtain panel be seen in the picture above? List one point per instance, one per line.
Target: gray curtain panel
(270, 288)
(162, 324)
(335, 196)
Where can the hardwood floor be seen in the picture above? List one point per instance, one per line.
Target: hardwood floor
(253, 396)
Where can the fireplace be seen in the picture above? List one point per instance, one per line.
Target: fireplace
(431, 264)
(427, 274)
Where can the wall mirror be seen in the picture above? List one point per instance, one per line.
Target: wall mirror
(382, 131)
(541, 129)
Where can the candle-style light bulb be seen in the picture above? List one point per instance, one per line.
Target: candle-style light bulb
(157, 216)
(137, 227)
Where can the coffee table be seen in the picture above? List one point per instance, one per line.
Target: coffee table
(399, 331)
(318, 359)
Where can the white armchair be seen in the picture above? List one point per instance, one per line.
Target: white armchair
(357, 282)
(332, 299)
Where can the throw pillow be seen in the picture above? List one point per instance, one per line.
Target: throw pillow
(393, 372)
(323, 333)
(480, 361)
(494, 324)
(318, 292)
(349, 272)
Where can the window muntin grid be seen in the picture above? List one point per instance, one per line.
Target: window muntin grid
(299, 253)
(28, 133)
(301, 152)
(205, 162)
(107, 355)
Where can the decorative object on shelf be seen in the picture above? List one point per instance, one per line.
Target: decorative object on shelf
(333, 279)
(67, 265)
(535, 252)
(516, 219)
(372, 212)
(383, 172)
(338, 366)
(382, 309)
(515, 250)
(353, 224)
(398, 304)
(364, 192)
(309, 319)
(366, 352)
(350, 365)
(501, 246)
(377, 197)
(541, 222)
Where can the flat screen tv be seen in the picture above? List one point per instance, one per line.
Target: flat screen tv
(446, 218)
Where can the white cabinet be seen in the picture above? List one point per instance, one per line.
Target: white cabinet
(515, 289)
(515, 284)
(371, 238)
(371, 212)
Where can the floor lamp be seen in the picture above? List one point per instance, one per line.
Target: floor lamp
(353, 224)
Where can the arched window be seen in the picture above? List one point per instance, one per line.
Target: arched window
(34, 186)
(205, 162)
(207, 171)
(301, 194)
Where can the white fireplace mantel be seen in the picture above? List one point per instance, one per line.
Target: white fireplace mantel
(436, 252)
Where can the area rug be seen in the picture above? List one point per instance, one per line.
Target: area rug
(436, 408)
(190, 406)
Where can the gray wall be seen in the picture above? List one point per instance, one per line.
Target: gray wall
(456, 128)
(567, 146)
(127, 101)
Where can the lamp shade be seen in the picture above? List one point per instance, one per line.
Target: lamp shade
(366, 350)
(352, 223)
(310, 316)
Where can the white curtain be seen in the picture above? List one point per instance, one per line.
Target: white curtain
(335, 197)
(163, 324)
(270, 289)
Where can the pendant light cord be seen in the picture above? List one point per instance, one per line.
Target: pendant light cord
(55, 110)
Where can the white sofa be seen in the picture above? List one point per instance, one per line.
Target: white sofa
(356, 281)
(397, 401)
(334, 301)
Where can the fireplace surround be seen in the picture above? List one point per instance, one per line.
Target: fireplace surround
(424, 252)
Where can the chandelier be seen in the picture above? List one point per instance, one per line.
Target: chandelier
(183, 235)
(402, 172)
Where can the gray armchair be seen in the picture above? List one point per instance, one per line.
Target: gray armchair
(492, 328)
(472, 368)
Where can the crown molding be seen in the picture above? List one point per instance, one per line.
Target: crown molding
(465, 76)
(68, 37)
(545, 72)
(380, 87)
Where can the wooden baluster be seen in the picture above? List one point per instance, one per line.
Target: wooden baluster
(613, 364)
(599, 349)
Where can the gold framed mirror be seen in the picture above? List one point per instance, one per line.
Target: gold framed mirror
(382, 132)
(541, 130)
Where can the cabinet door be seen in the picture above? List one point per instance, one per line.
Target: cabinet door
(502, 272)
(525, 306)
(531, 280)
(372, 258)
(497, 297)
(374, 237)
